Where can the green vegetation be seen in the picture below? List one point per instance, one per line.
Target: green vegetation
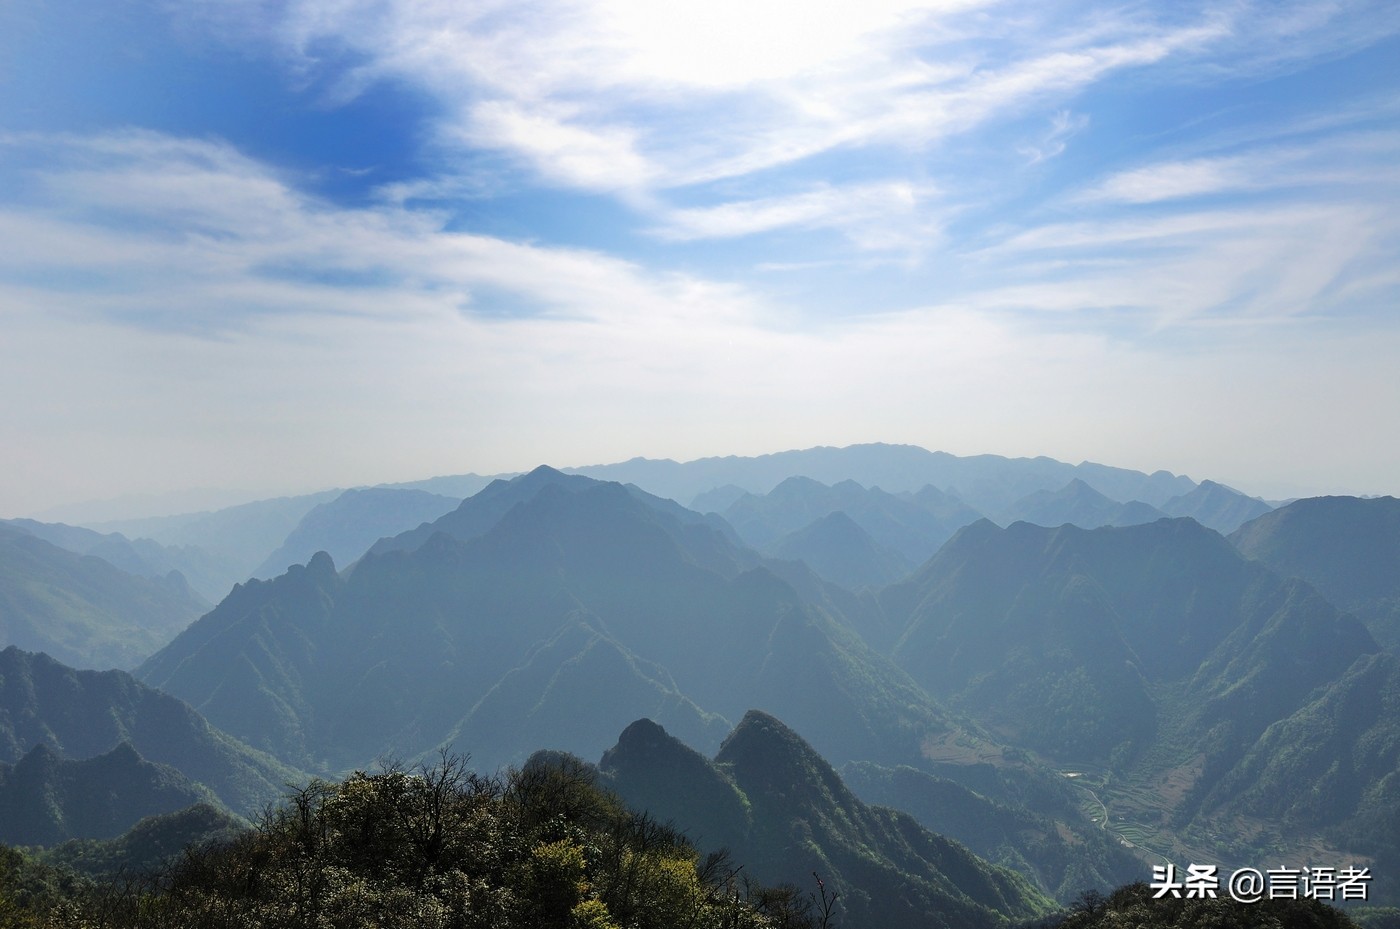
(785, 812)
(81, 609)
(45, 799)
(1134, 907)
(151, 846)
(1346, 547)
(1217, 710)
(83, 714)
(1138, 691)
(432, 848)
(34, 895)
(581, 591)
(1063, 855)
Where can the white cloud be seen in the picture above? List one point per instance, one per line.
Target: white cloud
(182, 315)
(562, 151)
(161, 218)
(1358, 162)
(620, 94)
(1173, 180)
(1203, 268)
(881, 212)
(1063, 126)
(704, 102)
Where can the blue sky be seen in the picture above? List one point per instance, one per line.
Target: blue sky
(276, 246)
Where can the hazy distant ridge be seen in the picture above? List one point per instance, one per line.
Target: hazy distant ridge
(985, 482)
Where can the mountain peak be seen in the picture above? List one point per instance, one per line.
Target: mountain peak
(647, 743)
(767, 757)
(797, 485)
(838, 549)
(41, 755)
(544, 472)
(838, 521)
(655, 771)
(321, 564)
(644, 733)
(124, 751)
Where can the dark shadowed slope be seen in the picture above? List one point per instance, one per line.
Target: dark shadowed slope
(783, 810)
(46, 799)
(150, 846)
(85, 713)
(1063, 854)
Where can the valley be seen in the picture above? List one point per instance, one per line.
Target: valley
(1073, 702)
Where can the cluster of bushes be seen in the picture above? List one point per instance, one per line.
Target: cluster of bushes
(440, 847)
(1135, 907)
(437, 847)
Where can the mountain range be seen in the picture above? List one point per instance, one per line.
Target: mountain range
(80, 714)
(1097, 680)
(1077, 504)
(81, 608)
(575, 583)
(1346, 547)
(348, 525)
(782, 809)
(987, 483)
(46, 799)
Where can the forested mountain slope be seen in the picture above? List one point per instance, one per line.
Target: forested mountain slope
(784, 811)
(83, 610)
(1217, 707)
(81, 714)
(45, 799)
(1346, 547)
(1060, 638)
(579, 588)
(206, 573)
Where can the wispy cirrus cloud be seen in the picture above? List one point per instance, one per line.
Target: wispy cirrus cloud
(199, 237)
(139, 260)
(956, 223)
(749, 85)
(1364, 162)
(687, 112)
(1063, 126)
(873, 217)
(642, 101)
